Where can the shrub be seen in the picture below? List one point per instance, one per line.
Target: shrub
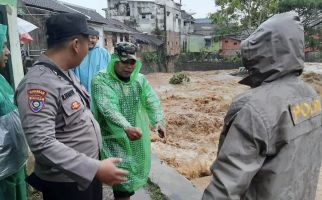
(179, 78)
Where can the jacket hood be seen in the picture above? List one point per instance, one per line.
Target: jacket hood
(111, 68)
(274, 50)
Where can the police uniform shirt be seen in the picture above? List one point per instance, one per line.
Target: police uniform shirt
(61, 131)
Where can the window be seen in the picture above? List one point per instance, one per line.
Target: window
(207, 43)
(143, 16)
(226, 41)
(235, 43)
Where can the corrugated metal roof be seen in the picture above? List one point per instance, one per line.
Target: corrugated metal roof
(114, 25)
(204, 27)
(52, 5)
(240, 37)
(203, 21)
(147, 39)
(91, 13)
(111, 25)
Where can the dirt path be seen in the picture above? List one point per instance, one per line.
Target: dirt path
(195, 112)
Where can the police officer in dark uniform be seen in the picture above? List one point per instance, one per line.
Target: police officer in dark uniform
(59, 126)
(270, 147)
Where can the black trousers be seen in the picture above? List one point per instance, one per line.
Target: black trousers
(64, 190)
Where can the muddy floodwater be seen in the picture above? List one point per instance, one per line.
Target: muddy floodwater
(195, 112)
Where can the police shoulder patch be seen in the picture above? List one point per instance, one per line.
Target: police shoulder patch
(305, 110)
(37, 98)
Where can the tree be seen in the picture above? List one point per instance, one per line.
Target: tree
(310, 12)
(236, 15)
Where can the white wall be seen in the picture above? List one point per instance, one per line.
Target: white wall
(156, 8)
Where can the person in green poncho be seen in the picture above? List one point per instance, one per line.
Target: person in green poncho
(125, 105)
(13, 146)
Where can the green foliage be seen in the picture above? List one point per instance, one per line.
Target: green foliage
(206, 56)
(150, 57)
(310, 12)
(313, 38)
(154, 59)
(154, 191)
(179, 78)
(233, 59)
(236, 15)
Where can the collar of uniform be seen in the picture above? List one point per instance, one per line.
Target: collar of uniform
(45, 58)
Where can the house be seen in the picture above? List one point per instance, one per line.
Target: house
(155, 17)
(114, 32)
(37, 11)
(186, 29)
(202, 37)
(95, 20)
(230, 45)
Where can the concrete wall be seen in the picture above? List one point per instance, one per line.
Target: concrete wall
(173, 43)
(109, 41)
(196, 43)
(206, 66)
(173, 16)
(147, 15)
(229, 47)
(230, 44)
(112, 38)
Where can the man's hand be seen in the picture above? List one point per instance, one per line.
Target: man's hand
(133, 133)
(109, 174)
(161, 131)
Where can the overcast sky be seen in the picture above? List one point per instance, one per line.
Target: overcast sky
(200, 7)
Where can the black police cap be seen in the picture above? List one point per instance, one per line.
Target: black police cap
(65, 25)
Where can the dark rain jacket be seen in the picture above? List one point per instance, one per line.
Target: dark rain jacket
(270, 147)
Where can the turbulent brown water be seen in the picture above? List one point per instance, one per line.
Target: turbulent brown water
(195, 113)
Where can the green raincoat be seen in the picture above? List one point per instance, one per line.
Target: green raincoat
(119, 105)
(13, 146)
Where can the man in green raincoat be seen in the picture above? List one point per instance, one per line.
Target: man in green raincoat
(125, 105)
(13, 146)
